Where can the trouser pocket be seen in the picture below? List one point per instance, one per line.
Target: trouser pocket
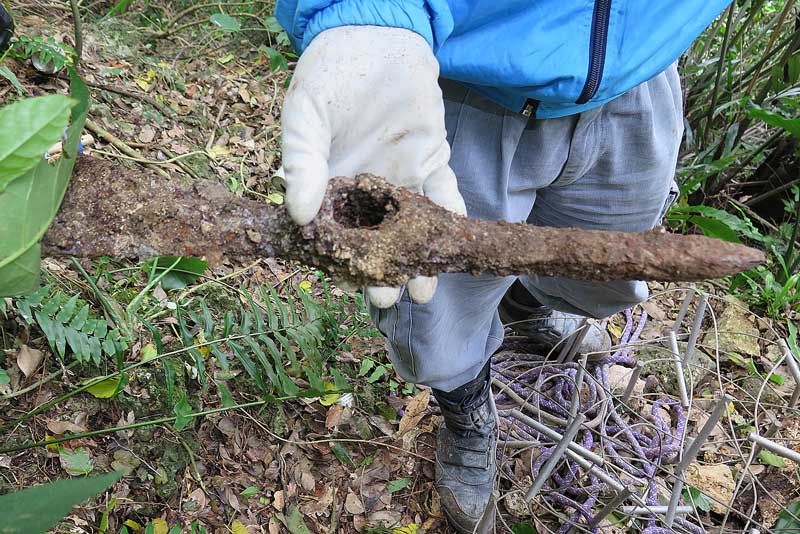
(672, 197)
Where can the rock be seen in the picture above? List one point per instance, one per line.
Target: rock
(660, 363)
(716, 481)
(735, 331)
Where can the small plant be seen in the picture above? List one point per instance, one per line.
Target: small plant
(49, 55)
(71, 326)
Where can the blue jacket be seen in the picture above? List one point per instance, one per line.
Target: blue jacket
(559, 56)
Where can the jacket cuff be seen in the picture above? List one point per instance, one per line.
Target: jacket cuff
(409, 15)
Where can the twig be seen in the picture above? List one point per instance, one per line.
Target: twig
(43, 381)
(118, 143)
(76, 20)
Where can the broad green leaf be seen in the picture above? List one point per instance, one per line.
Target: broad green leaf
(185, 272)
(248, 492)
(6, 73)
(716, 223)
(775, 119)
(377, 374)
(159, 526)
(182, 414)
(237, 527)
(777, 379)
(295, 522)
(770, 458)
(342, 454)
(30, 202)
(787, 524)
(30, 127)
(700, 500)
(148, 352)
(523, 528)
(4, 378)
(226, 22)
(76, 462)
(106, 388)
(366, 367)
(330, 398)
(277, 61)
(400, 484)
(38, 509)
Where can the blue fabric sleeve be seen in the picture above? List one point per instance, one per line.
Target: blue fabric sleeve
(305, 19)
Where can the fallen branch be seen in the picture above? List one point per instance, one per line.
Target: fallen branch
(367, 232)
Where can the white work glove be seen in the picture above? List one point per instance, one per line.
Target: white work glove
(367, 99)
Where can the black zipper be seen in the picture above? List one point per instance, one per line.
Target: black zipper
(597, 50)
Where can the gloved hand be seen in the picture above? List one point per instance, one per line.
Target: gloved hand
(367, 99)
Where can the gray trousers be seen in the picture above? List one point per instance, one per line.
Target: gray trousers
(610, 168)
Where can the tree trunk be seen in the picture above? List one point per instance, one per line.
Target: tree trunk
(367, 232)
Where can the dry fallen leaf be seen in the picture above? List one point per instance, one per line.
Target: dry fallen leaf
(147, 134)
(654, 310)
(414, 411)
(278, 500)
(29, 359)
(353, 504)
(199, 497)
(62, 427)
(334, 416)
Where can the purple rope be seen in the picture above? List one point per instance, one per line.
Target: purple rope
(638, 452)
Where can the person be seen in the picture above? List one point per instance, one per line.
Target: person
(549, 112)
(6, 28)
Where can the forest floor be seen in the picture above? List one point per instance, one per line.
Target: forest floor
(361, 462)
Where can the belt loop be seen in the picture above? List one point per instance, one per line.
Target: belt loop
(529, 110)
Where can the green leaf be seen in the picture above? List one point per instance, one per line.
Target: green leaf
(523, 528)
(715, 228)
(777, 379)
(76, 462)
(277, 61)
(4, 378)
(225, 22)
(377, 374)
(774, 119)
(120, 7)
(400, 484)
(6, 73)
(716, 223)
(185, 272)
(30, 127)
(272, 24)
(105, 389)
(225, 395)
(36, 510)
(295, 523)
(342, 454)
(787, 524)
(30, 201)
(249, 492)
(366, 367)
(182, 411)
(700, 500)
(770, 458)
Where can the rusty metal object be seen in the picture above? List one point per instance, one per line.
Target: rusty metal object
(367, 232)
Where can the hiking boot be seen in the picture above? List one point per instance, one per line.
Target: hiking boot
(6, 28)
(465, 452)
(545, 327)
